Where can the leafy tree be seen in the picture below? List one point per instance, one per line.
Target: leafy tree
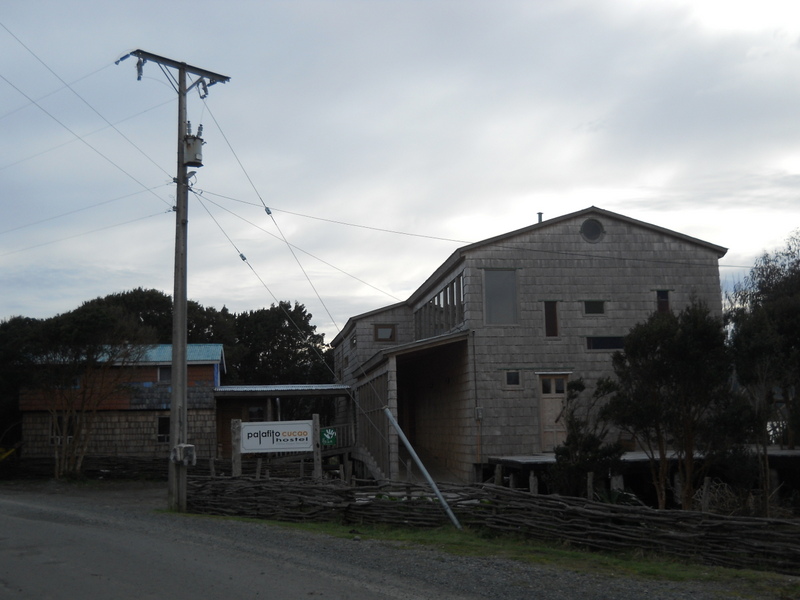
(765, 337)
(584, 451)
(150, 308)
(17, 336)
(83, 359)
(640, 394)
(278, 345)
(673, 386)
(271, 345)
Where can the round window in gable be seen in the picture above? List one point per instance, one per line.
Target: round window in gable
(592, 230)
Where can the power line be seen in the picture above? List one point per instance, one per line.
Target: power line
(78, 137)
(289, 318)
(269, 213)
(315, 257)
(91, 133)
(38, 105)
(77, 235)
(72, 212)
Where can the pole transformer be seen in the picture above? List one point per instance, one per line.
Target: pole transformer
(189, 154)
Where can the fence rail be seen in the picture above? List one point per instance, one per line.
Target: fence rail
(737, 542)
(289, 495)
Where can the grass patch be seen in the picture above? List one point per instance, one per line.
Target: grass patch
(744, 584)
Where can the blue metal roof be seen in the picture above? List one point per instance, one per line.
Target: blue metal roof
(195, 353)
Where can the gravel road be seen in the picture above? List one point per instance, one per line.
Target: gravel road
(235, 559)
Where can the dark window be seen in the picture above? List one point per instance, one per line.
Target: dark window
(554, 384)
(662, 301)
(512, 378)
(353, 342)
(501, 297)
(255, 413)
(164, 374)
(62, 430)
(605, 343)
(551, 319)
(163, 430)
(594, 307)
(385, 333)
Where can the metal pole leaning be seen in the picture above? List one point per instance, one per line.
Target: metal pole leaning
(422, 468)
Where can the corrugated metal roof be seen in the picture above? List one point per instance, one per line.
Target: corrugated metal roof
(196, 353)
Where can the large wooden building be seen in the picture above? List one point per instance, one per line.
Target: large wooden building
(475, 363)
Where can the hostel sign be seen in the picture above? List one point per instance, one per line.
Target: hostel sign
(277, 436)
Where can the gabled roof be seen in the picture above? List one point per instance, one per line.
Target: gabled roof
(195, 353)
(460, 253)
(456, 257)
(348, 327)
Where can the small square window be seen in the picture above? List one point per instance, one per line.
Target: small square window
(513, 378)
(594, 307)
(385, 333)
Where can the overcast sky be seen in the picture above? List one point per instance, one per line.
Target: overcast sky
(383, 135)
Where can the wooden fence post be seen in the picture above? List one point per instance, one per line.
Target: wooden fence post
(236, 447)
(498, 475)
(317, 448)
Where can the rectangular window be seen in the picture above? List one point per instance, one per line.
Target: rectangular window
(162, 436)
(500, 297)
(385, 333)
(551, 319)
(61, 430)
(594, 307)
(164, 374)
(605, 343)
(513, 378)
(662, 301)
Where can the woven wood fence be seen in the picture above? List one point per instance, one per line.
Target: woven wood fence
(285, 495)
(770, 544)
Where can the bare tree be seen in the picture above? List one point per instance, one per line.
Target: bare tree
(85, 361)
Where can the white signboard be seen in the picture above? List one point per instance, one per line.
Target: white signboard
(277, 436)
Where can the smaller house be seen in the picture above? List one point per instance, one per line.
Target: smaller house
(134, 421)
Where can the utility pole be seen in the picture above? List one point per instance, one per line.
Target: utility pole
(189, 155)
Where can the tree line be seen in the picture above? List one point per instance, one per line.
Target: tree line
(274, 345)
